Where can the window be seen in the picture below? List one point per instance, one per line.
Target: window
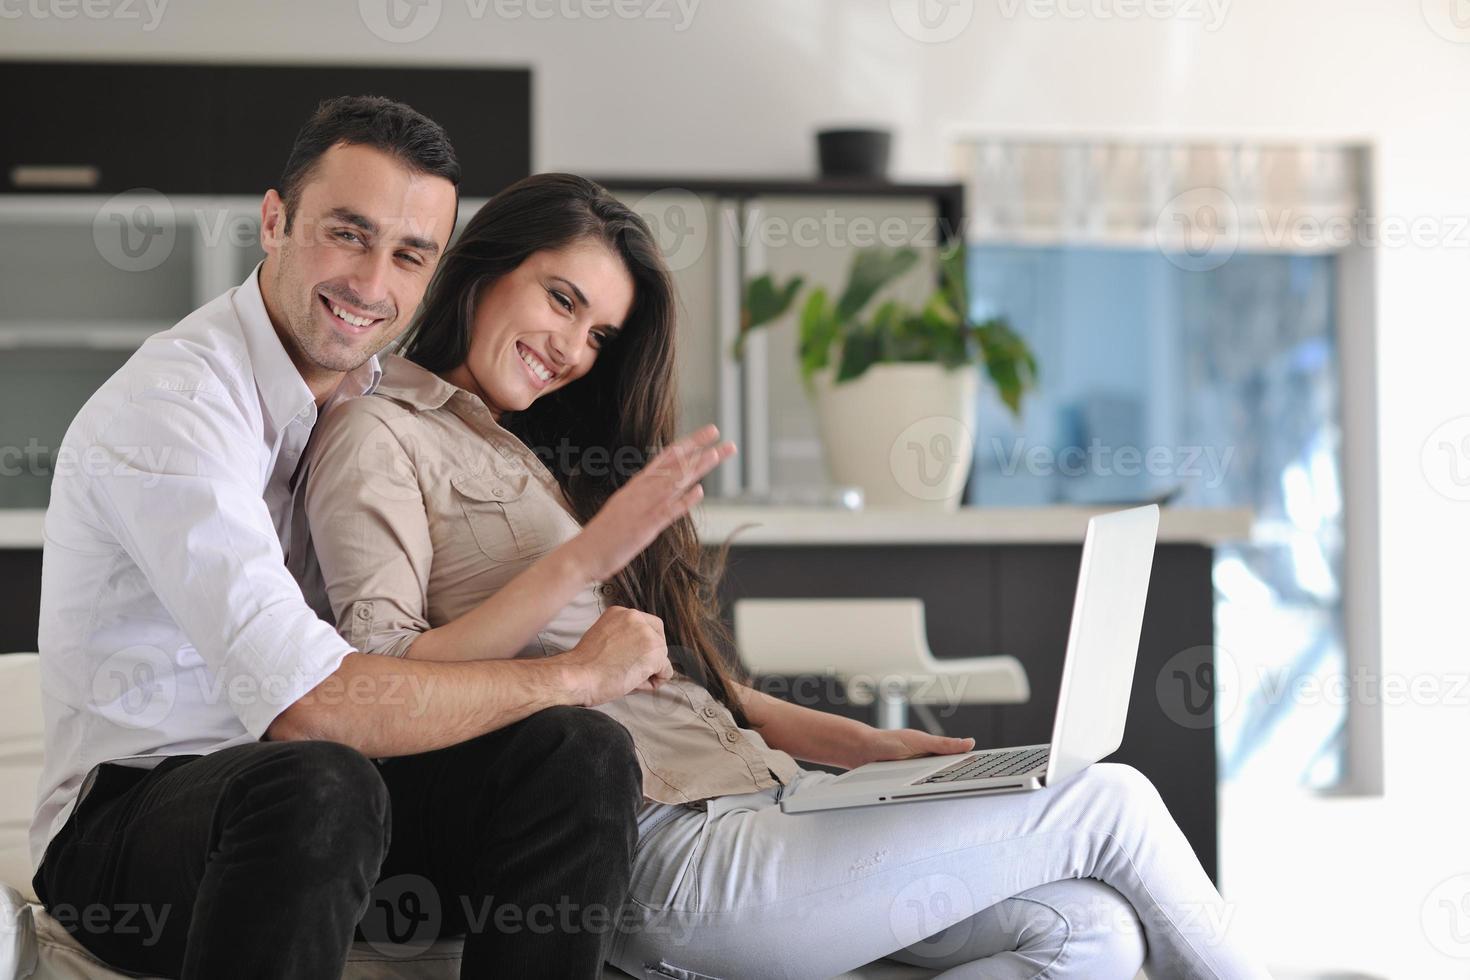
(1192, 355)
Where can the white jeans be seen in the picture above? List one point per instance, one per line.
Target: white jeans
(1089, 878)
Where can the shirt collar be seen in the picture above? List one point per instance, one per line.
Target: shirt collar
(407, 382)
(423, 390)
(283, 392)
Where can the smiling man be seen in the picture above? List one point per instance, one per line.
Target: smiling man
(213, 749)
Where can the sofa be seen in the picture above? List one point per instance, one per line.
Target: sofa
(34, 946)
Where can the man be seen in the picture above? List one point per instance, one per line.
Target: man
(226, 779)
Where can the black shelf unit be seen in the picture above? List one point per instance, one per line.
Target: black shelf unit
(193, 128)
(948, 198)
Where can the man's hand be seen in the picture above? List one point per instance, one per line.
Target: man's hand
(623, 651)
(884, 745)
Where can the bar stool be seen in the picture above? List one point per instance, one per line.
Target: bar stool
(879, 651)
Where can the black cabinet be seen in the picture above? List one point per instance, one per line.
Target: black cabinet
(217, 129)
(132, 125)
(20, 613)
(1017, 599)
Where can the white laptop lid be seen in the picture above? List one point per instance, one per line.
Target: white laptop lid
(1102, 648)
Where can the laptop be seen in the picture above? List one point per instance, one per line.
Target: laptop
(1092, 705)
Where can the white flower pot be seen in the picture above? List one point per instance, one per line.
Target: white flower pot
(901, 432)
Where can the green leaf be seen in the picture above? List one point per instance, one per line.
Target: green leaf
(764, 302)
(816, 330)
(872, 269)
(1008, 360)
(860, 351)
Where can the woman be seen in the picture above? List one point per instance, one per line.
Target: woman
(488, 501)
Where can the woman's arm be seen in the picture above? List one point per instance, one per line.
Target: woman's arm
(827, 739)
(373, 545)
(661, 493)
(502, 624)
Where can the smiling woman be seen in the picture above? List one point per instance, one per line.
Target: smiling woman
(535, 330)
(556, 310)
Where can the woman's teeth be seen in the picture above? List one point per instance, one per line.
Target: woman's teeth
(534, 363)
(345, 317)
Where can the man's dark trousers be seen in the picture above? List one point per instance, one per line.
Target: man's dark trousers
(268, 859)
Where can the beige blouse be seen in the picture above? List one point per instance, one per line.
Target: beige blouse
(420, 506)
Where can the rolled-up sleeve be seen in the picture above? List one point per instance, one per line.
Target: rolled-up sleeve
(369, 528)
(174, 477)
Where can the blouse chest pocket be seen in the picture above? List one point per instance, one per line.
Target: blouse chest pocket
(504, 515)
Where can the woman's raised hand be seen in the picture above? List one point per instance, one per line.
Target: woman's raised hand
(658, 495)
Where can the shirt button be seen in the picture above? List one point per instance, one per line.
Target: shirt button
(500, 493)
(710, 712)
(363, 612)
(732, 736)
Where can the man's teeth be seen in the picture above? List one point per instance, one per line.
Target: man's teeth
(345, 317)
(534, 363)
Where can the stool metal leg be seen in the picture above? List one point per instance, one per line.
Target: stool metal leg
(893, 705)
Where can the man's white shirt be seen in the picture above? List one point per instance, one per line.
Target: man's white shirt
(170, 623)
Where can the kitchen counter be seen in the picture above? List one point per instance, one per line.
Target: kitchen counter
(21, 529)
(967, 526)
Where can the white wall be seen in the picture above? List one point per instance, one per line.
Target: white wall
(1326, 882)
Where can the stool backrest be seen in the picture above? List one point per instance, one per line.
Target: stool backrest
(874, 637)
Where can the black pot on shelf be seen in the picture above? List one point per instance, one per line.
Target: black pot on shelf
(854, 152)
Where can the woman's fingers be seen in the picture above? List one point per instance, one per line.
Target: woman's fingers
(695, 468)
(685, 464)
(682, 448)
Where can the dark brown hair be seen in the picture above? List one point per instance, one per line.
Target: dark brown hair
(367, 120)
(627, 401)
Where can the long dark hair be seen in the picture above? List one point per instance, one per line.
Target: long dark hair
(628, 401)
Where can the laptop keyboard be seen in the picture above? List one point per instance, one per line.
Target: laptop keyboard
(1011, 763)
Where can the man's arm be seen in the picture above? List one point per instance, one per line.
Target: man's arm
(387, 706)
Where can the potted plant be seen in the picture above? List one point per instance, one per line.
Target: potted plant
(893, 394)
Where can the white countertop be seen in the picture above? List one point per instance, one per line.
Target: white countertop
(831, 526)
(968, 525)
(20, 528)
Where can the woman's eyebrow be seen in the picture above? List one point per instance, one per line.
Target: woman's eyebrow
(613, 328)
(581, 297)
